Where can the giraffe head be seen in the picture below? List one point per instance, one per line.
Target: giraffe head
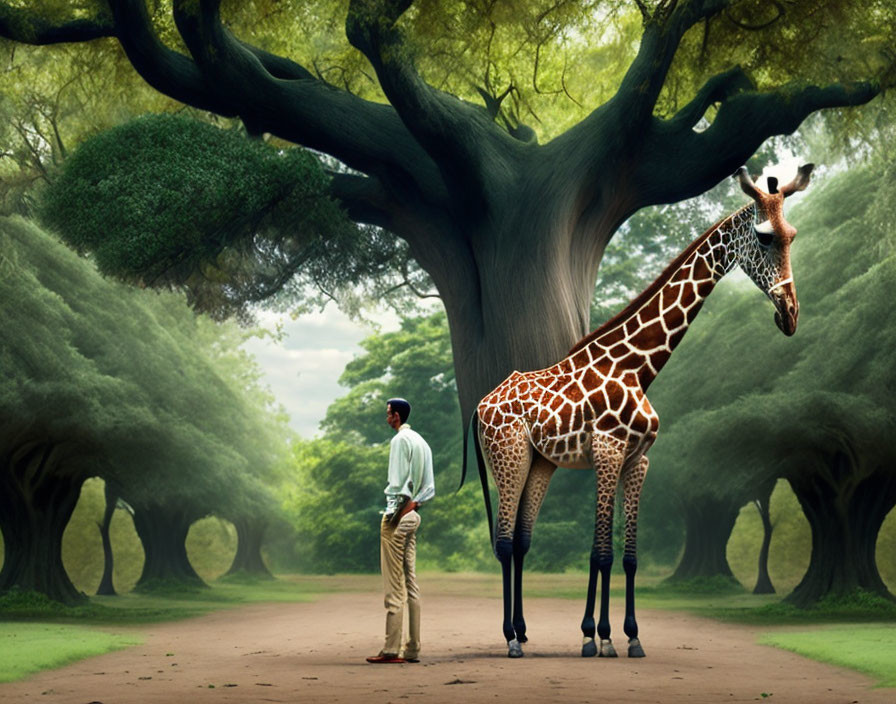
(765, 250)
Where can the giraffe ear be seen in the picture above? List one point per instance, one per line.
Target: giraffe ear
(746, 183)
(800, 182)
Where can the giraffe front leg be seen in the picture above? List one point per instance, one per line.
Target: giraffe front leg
(608, 458)
(633, 481)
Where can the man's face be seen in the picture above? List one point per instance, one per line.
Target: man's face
(393, 419)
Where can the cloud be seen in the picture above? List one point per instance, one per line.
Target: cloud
(304, 367)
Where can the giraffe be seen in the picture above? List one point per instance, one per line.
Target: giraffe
(590, 409)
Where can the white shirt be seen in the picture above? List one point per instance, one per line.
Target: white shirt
(410, 469)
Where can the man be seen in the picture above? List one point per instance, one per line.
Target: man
(410, 484)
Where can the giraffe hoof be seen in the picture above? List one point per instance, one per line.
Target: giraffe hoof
(589, 648)
(513, 649)
(634, 648)
(606, 649)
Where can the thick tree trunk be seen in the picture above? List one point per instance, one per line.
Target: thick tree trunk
(163, 533)
(845, 506)
(107, 588)
(518, 289)
(250, 534)
(763, 580)
(35, 506)
(708, 524)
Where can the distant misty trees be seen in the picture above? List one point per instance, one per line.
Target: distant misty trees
(100, 379)
(748, 406)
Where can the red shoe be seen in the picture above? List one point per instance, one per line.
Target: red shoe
(383, 659)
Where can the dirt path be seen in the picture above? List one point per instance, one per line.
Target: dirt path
(314, 652)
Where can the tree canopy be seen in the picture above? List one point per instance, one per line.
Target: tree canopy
(170, 201)
(634, 104)
(102, 379)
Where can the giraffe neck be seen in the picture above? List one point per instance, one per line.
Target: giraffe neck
(641, 338)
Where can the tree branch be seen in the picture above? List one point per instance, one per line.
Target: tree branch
(641, 86)
(614, 129)
(166, 70)
(458, 136)
(717, 89)
(269, 92)
(365, 200)
(744, 121)
(303, 109)
(30, 27)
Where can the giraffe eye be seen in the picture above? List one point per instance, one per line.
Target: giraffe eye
(764, 233)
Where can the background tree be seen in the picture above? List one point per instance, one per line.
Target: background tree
(810, 409)
(63, 417)
(102, 379)
(523, 226)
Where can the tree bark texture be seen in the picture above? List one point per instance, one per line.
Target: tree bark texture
(709, 521)
(37, 499)
(763, 580)
(845, 504)
(250, 532)
(163, 532)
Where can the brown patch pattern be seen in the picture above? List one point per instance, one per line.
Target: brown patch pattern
(590, 409)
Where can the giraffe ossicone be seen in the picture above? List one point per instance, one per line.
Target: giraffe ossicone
(590, 409)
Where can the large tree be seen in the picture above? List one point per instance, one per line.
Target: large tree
(511, 231)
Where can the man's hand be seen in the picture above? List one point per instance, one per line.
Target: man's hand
(400, 512)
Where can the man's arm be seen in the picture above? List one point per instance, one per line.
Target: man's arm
(399, 472)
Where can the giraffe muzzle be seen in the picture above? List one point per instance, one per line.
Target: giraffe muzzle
(786, 315)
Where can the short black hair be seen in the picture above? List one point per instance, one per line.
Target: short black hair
(400, 406)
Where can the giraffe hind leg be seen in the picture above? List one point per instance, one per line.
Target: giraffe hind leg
(533, 495)
(509, 456)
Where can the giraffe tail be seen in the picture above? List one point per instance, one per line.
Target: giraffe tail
(463, 471)
(483, 476)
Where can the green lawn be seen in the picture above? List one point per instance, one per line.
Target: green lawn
(868, 648)
(26, 648)
(169, 605)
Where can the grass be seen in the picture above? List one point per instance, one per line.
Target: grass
(166, 603)
(870, 649)
(26, 648)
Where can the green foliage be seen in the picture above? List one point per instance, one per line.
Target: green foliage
(333, 505)
(135, 387)
(51, 99)
(171, 201)
(26, 648)
(166, 200)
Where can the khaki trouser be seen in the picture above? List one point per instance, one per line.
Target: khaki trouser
(398, 552)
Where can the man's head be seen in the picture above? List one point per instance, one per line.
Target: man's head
(397, 412)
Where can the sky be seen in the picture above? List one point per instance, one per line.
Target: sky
(302, 369)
